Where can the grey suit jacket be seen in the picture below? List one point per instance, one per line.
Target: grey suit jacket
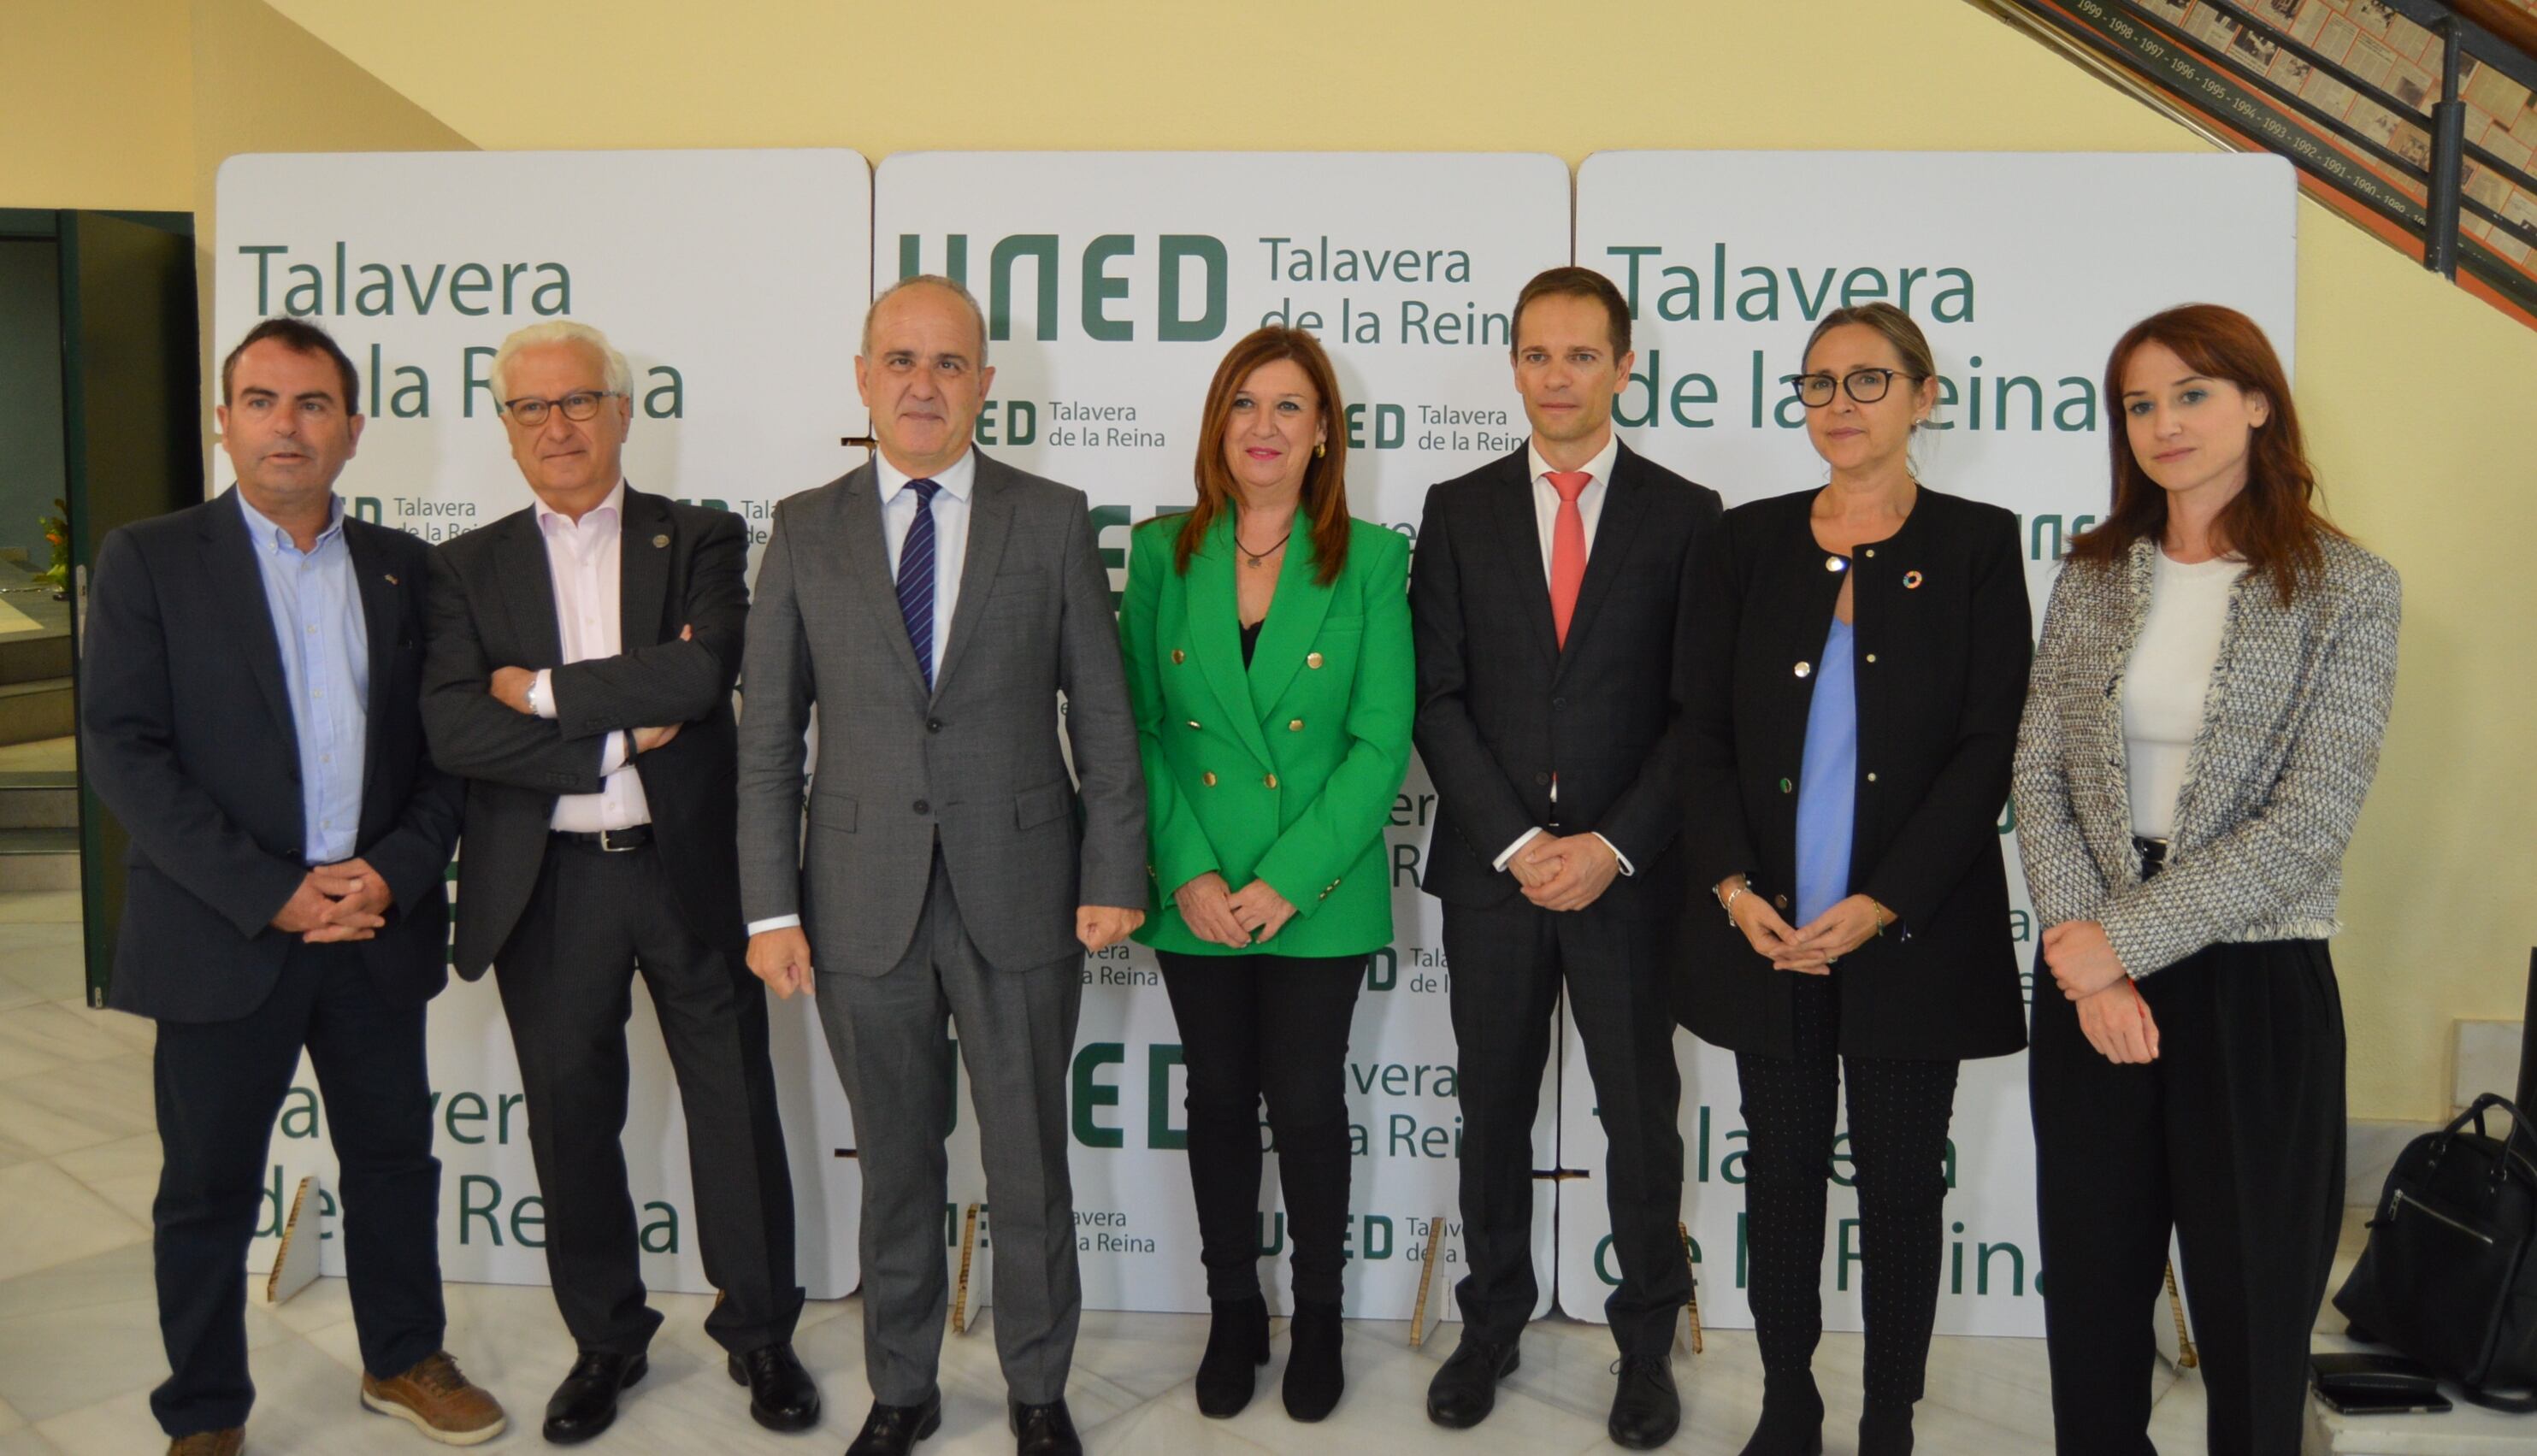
(976, 762)
(2273, 784)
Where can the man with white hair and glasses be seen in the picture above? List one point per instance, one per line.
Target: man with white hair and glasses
(579, 677)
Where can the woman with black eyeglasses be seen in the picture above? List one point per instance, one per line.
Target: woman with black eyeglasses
(1859, 667)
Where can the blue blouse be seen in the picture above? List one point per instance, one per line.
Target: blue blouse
(1828, 781)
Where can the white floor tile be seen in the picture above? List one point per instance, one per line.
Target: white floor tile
(47, 1218)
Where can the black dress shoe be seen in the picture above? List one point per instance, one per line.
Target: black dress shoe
(1646, 1408)
(1466, 1387)
(781, 1396)
(585, 1404)
(1043, 1430)
(1788, 1428)
(1314, 1378)
(894, 1430)
(1237, 1346)
(1885, 1428)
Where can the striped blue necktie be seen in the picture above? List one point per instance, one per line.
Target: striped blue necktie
(916, 579)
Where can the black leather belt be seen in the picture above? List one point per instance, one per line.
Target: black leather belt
(608, 840)
(2153, 855)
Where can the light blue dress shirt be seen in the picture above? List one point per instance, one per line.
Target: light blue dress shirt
(1828, 781)
(325, 641)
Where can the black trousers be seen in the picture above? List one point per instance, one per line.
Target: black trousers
(220, 1086)
(1275, 1028)
(567, 978)
(2233, 1138)
(1508, 963)
(1899, 1113)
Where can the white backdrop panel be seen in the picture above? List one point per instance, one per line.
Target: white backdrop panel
(1115, 282)
(2023, 268)
(735, 283)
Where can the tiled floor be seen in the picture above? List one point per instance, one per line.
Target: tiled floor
(78, 1342)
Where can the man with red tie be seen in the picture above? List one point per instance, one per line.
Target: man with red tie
(1550, 599)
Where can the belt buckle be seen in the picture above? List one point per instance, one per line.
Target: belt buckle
(606, 848)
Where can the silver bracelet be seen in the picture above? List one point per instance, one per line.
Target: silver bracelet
(1728, 904)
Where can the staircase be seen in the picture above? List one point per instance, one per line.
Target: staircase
(40, 812)
(2416, 120)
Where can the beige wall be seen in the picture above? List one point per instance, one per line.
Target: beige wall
(96, 104)
(2407, 383)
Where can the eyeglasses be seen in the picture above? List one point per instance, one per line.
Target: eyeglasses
(581, 404)
(1867, 386)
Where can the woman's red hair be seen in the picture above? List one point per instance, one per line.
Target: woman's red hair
(1325, 494)
(2272, 523)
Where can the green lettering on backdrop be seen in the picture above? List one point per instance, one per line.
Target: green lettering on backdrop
(1160, 1059)
(1091, 1093)
(1099, 288)
(1181, 247)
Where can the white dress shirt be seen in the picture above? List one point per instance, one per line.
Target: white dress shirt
(583, 556)
(898, 505)
(950, 531)
(1545, 514)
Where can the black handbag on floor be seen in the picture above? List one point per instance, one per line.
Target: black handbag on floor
(2447, 1276)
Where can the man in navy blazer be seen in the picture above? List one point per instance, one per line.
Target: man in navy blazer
(249, 707)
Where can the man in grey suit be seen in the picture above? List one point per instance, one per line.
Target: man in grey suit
(933, 605)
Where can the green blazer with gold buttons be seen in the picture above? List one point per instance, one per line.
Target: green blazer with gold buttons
(1284, 771)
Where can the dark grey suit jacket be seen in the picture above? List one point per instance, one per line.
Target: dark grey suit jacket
(185, 729)
(977, 761)
(492, 606)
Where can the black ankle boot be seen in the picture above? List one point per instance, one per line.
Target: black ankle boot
(1791, 1425)
(1314, 1378)
(1237, 1346)
(1885, 1428)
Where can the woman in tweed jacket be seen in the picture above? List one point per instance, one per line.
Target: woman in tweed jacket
(2214, 675)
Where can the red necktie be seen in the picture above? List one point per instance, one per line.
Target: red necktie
(1567, 548)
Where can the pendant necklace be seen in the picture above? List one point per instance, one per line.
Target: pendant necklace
(1261, 558)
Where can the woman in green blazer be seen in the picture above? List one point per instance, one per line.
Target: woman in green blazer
(1267, 641)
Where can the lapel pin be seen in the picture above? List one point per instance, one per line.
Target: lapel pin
(391, 576)
(1910, 581)
(661, 541)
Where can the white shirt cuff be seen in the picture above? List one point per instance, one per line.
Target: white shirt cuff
(1616, 853)
(618, 748)
(1507, 853)
(773, 923)
(542, 693)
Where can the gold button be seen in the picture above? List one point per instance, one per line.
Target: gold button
(1804, 667)
(1833, 564)
(1871, 777)
(1270, 781)
(1872, 551)
(1872, 657)
(1209, 778)
(1294, 724)
(1177, 656)
(1312, 659)
(1193, 723)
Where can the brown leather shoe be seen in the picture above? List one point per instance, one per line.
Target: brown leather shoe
(228, 1443)
(441, 1403)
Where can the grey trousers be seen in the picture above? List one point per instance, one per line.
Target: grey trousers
(1017, 1033)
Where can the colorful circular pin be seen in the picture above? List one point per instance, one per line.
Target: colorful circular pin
(1910, 581)
(661, 541)
(1787, 788)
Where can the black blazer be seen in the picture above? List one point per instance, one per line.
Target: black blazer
(1943, 633)
(1502, 707)
(492, 606)
(186, 733)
